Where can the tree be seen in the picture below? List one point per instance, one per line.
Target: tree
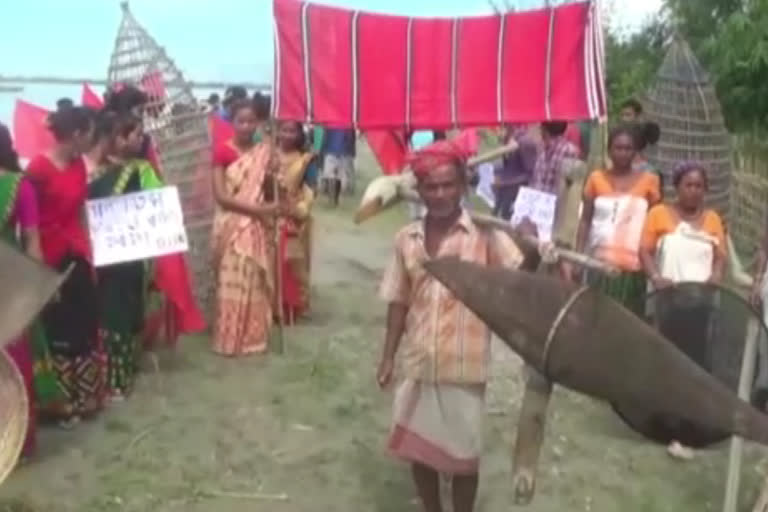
(730, 39)
(632, 61)
(699, 20)
(738, 53)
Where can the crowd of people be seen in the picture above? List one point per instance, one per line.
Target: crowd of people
(625, 223)
(331, 169)
(82, 353)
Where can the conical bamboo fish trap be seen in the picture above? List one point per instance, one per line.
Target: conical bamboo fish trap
(684, 104)
(179, 129)
(749, 197)
(13, 415)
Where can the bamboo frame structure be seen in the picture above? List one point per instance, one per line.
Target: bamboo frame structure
(684, 104)
(179, 130)
(16, 80)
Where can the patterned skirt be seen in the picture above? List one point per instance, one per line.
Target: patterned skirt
(122, 301)
(628, 288)
(71, 328)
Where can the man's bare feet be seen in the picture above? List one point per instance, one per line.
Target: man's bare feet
(524, 483)
(680, 452)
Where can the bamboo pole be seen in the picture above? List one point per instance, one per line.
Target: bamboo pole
(747, 376)
(55, 80)
(280, 345)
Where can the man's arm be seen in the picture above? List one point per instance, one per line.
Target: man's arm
(395, 290)
(396, 314)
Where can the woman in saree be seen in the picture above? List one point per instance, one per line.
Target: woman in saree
(296, 198)
(19, 227)
(121, 287)
(684, 242)
(242, 259)
(71, 320)
(615, 205)
(131, 311)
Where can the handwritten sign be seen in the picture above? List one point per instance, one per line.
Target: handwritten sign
(537, 206)
(136, 226)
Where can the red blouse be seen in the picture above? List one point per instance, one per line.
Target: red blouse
(225, 154)
(61, 197)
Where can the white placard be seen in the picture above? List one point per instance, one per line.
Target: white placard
(484, 190)
(539, 207)
(136, 226)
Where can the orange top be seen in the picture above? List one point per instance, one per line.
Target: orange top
(619, 216)
(664, 220)
(647, 187)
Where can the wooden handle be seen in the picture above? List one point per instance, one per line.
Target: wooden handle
(494, 154)
(533, 243)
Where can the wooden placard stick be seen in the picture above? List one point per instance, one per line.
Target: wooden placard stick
(530, 435)
(538, 389)
(557, 253)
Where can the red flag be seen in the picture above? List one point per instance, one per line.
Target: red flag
(152, 83)
(172, 278)
(89, 98)
(30, 130)
(389, 148)
(180, 314)
(221, 131)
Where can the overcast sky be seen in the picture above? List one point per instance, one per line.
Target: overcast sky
(221, 40)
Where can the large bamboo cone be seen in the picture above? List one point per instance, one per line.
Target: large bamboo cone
(597, 347)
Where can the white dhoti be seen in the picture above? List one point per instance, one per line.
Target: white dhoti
(439, 426)
(340, 168)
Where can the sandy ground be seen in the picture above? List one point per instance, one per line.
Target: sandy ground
(305, 431)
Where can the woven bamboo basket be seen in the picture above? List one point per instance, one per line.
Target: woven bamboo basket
(749, 197)
(13, 415)
(684, 104)
(179, 128)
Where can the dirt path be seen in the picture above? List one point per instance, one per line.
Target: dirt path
(311, 424)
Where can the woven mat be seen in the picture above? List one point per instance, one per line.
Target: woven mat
(13, 415)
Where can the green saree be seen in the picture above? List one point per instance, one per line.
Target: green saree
(44, 382)
(123, 287)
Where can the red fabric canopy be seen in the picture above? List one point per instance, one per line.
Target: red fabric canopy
(343, 68)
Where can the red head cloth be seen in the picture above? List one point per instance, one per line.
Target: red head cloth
(460, 148)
